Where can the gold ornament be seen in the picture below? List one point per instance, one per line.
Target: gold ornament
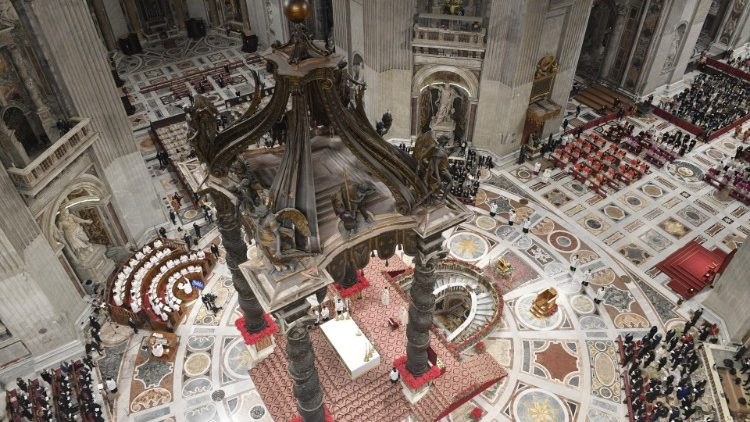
(296, 10)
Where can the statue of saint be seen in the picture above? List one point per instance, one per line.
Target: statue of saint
(73, 233)
(445, 106)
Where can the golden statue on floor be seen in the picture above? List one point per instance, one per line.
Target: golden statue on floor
(545, 303)
(503, 268)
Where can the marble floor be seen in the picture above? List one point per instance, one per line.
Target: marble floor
(560, 368)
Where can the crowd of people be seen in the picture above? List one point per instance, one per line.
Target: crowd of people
(742, 63)
(73, 396)
(712, 101)
(733, 173)
(465, 174)
(660, 381)
(656, 149)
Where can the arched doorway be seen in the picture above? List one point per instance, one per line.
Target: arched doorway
(432, 87)
(710, 30)
(16, 121)
(597, 38)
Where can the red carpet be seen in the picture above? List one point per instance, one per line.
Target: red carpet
(372, 397)
(686, 268)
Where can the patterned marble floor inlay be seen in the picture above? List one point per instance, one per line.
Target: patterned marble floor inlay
(560, 368)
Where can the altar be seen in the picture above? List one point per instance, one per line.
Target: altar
(353, 348)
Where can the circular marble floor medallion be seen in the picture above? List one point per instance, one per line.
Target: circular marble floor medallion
(523, 242)
(196, 386)
(614, 212)
(592, 322)
(257, 412)
(686, 171)
(583, 305)
(197, 364)
(715, 154)
(199, 343)
(190, 214)
(553, 268)
(467, 246)
(504, 231)
(653, 190)
(203, 413)
(563, 241)
(485, 223)
(537, 405)
(523, 313)
(237, 360)
(603, 277)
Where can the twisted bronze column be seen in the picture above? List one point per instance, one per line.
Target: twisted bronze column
(230, 229)
(299, 350)
(422, 304)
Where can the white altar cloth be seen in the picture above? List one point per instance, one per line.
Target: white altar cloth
(351, 346)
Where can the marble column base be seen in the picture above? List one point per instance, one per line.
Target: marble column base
(260, 351)
(413, 396)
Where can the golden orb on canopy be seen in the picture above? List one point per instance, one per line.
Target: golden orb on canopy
(296, 10)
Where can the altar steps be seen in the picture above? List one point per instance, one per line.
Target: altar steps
(597, 96)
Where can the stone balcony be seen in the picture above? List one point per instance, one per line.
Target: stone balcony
(449, 36)
(37, 174)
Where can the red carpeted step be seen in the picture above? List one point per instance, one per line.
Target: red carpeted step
(686, 268)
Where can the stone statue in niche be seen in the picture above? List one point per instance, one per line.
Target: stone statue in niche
(444, 112)
(72, 231)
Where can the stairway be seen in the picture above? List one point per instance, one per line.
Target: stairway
(686, 266)
(597, 96)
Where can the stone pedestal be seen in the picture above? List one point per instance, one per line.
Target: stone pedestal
(413, 396)
(94, 265)
(260, 350)
(443, 129)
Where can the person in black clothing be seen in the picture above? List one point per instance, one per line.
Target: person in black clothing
(94, 323)
(740, 353)
(162, 232)
(696, 316)
(197, 229)
(173, 217)
(215, 249)
(133, 325)
(22, 385)
(95, 336)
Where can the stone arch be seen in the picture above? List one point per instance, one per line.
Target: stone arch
(96, 194)
(467, 80)
(598, 37)
(16, 121)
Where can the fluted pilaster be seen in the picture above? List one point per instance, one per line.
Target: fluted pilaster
(388, 34)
